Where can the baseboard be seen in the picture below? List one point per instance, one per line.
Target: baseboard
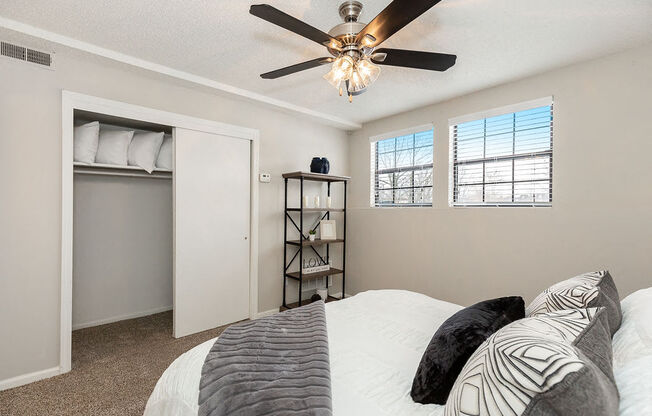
(21, 380)
(121, 317)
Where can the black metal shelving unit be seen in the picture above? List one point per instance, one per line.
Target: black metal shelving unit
(304, 242)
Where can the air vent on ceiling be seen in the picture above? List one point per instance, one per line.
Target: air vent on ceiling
(42, 59)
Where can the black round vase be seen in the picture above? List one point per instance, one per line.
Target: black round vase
(320, 165)
(315, 165)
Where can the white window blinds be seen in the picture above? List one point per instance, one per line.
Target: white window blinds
(504, 159)
(402, 170)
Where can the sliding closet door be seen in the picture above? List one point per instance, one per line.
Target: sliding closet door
(211, 214)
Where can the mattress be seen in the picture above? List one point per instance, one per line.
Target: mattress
(376, 340)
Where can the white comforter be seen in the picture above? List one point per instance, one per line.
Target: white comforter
(376, 340)
(632, 347)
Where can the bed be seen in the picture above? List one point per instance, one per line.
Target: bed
(376, 340)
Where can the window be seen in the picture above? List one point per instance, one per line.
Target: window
(402, 168)
(503, 159)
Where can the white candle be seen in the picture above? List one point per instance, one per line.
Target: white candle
(305, 202)
(316, 201)
(328, 202)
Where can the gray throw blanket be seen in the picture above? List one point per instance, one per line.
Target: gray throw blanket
(276, 365)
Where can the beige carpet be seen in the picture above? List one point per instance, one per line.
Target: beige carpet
(114, 370)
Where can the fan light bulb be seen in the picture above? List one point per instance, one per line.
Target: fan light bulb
(356, 75)
(340, 71)
(356, 83)
(368, 71)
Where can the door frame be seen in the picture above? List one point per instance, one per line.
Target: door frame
(71, 101)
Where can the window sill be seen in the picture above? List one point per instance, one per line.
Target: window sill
(501, 206)
(399, 206)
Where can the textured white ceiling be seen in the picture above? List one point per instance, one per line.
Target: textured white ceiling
(495, 41)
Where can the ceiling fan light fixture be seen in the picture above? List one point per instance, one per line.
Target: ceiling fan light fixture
(356, 82)
(333, 78)
(368, 71)
(340, 71)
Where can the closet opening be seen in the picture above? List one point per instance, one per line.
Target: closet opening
(122, 285)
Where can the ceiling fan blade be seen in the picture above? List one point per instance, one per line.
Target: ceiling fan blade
(392, 19)
(296, 68)
(274, 15)
(413, 59)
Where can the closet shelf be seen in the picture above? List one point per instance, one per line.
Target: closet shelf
(116, 170)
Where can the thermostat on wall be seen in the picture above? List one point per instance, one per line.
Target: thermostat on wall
(265, 177)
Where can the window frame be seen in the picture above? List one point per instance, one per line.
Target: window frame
(412, 168)
(484, 115)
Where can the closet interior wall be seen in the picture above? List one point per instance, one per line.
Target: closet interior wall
(122, 240)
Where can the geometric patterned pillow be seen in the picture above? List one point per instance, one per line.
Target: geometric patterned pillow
(540, 366)
(596, 289)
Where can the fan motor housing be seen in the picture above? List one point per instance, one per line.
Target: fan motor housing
(346, 32)
(346, 29)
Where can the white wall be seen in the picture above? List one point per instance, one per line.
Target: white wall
(30, 184)
(602, 196)
(122, 262)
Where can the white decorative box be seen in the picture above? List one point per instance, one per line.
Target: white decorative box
(315, 269)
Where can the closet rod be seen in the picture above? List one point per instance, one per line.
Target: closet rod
(154, 175)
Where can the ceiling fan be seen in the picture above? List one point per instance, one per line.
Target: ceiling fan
(353, 44)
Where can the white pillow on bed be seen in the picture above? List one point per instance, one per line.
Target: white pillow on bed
(113, 147)
(164, 159)
(144, 149)
(85, 142)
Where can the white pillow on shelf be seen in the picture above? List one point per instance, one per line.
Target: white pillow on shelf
(164, 160)
(113, 147)
(85, 142)
(144, 149)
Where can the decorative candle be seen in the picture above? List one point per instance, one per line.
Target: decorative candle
(316, 201)
(305, 202)
(328, 201)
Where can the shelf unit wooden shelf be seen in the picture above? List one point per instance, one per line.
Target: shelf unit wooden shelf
(316, 275)
(318, 177)
(318, 242)
(316, 209)
(304, 243)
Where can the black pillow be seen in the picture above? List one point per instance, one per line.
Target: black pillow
(455, 341)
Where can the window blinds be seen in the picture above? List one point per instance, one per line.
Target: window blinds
(402, 170)
(503, 160)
